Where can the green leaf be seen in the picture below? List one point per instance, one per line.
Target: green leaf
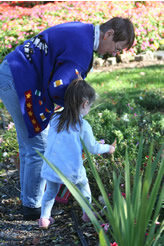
(102, 239)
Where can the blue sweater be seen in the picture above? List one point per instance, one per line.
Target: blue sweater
(43, 67)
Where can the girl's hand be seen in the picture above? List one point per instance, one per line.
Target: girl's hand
(112, 147)
(114, 143)
(111, 150)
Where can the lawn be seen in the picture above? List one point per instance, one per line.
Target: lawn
(132, 79)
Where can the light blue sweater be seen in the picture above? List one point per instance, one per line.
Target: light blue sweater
(64, 150)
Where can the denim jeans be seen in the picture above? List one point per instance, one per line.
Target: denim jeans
(31, 183)
(51, 192)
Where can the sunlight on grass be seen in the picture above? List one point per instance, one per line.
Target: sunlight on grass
(146, 78)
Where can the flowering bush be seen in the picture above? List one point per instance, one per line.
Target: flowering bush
(126, 127)
(18, 23)
(8, 143)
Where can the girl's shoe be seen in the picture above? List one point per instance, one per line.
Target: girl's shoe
(85, 217)
(45, 223)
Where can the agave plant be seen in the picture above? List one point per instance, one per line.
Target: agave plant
(130, 217)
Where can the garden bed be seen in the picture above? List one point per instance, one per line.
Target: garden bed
(15, 231)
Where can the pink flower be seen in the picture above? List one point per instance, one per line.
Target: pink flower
(105, 226)
(1, 140)
(123, 194)
(10, 125)
(114, 244)
(130, 106)
(9, 46)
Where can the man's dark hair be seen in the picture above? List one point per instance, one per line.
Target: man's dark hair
(123, 30)
(78, 91)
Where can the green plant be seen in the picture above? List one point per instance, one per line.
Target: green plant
(8, 143)
(132, 216)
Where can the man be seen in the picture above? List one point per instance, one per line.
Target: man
(34, 77)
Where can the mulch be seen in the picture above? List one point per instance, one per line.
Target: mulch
(15, 231)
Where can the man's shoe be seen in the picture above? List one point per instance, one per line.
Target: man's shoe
(31, 213)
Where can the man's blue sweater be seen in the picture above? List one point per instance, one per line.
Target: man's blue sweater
(43, 67)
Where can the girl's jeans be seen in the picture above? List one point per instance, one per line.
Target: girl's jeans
(51, 192)
(32, 185)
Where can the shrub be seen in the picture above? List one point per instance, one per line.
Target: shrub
(8, 143)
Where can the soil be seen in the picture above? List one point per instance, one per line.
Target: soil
(15, 231)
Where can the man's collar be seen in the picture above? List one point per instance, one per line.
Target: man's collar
(97, 37)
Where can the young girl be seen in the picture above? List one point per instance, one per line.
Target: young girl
(64, 148)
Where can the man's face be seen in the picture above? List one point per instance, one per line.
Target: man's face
(108, 46)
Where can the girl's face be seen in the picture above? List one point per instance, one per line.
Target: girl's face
(85, 107)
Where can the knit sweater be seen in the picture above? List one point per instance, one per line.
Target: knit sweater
(43, 66)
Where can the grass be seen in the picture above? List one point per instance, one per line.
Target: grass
(141, 87)
(129, 80)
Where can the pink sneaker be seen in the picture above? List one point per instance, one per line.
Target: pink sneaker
(85, 217)
(45, 223)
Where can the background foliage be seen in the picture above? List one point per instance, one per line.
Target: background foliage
(22, 20)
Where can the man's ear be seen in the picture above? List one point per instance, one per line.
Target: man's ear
(109, 33)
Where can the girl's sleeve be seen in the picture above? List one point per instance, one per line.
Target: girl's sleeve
(90, 142)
